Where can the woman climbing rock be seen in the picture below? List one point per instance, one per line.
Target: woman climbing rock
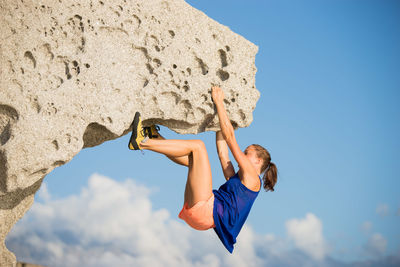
(226, 209)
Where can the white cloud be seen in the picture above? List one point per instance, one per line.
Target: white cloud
(376, 245)
(366, 227)
(112, 223)
(382, 210)
(44, 193)
(108, 222)
(307, 236)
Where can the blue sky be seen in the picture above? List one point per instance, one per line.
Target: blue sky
(328, 73)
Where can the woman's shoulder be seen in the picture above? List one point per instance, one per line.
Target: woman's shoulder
(250, 181)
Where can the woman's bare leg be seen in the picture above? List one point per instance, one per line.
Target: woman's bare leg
(199, 180)
(184, 160)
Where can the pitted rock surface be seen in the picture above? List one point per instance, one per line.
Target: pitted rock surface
(73, 73)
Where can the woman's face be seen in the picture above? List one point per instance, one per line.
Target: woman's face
(251, 154)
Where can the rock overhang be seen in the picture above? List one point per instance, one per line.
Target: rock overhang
(73, 74)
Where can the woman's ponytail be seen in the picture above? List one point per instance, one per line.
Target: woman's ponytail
(270, 177)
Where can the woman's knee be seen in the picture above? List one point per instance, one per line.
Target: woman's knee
(198, 145)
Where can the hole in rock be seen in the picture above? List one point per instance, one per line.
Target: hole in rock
(29, 55)
(67, 73)
(202, 65)
(157, 61)
(83, 42)
(96, 134)
(55, 144)
(187, 104)
(8, 115)
(222, 55)
(242, 115)
(150, 68)
(223, 75)
(5, 134)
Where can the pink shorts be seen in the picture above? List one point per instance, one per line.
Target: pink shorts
(200, 216)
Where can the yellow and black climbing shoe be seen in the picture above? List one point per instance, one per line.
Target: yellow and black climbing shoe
(152, 131)
(138, 133)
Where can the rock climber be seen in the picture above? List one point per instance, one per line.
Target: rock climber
(226, 209)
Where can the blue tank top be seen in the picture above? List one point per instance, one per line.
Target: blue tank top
(232, 204)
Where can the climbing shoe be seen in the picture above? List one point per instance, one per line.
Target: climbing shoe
(152, 131)
(138, 133)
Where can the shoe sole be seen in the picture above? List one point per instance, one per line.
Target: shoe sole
(132, 141)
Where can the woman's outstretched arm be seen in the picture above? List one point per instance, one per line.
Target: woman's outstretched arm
(229, 134)
(223, 155)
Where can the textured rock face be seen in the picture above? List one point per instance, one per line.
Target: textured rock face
(73, 73)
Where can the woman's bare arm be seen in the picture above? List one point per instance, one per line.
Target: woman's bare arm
(229, 134)
(223, 155)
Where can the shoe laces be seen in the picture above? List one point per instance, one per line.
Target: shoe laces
(145, 131)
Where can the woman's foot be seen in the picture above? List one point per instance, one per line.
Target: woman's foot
(140, 134)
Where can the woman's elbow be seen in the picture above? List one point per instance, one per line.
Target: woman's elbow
(229, 136)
